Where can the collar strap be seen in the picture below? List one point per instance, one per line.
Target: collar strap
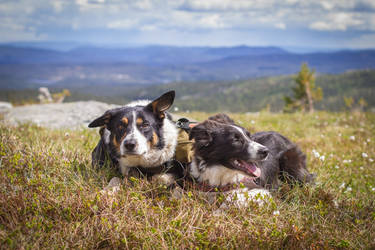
(185, 124)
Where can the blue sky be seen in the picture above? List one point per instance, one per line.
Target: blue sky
(290, 23)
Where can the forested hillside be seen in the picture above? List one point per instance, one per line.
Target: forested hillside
(237, 96)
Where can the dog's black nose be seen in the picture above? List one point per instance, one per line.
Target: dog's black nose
(130, 145)
(263, 153)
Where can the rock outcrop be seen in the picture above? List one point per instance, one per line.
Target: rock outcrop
(58, 115)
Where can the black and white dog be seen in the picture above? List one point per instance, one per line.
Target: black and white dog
(140, 135)
(227, 156)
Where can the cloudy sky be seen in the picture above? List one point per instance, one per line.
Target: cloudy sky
(288, 23)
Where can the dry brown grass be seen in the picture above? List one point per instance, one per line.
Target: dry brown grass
(49, 195)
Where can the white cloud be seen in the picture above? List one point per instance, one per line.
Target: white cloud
(327, 5)
(122, 24)
(281, 26)
(227, 5)
(212, 21)
(57, 5)
(338, 21)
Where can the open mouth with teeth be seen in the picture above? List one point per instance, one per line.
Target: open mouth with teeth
(248, 167)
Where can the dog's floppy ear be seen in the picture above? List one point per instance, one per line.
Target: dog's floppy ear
(104, 119)
(201, 134)
(222, 118)
(161, 104)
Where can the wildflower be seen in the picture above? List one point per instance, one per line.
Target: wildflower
(322, 136)
(176, 109)
(252, 122)
(316, 153)
(368, 140)
(352, 138)
(340, 134)
(349, 189)
(347, 161)
(276, 212)
(337, 167)
(66, 134)
(342, 185)
(364, 155)
(335, 203)
(361, 168)
(322, 158)
(371, 160)
(373, 189)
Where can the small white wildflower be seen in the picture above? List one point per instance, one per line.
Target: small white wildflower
(322, 136)
(276, 213)
(335, 203)
(352, 138)
(364, 155)
(361, 168)
(252, 122)
(342, 185)
(371, 160)
(348, 189)
(340, 134)
(240, 122)
(330, 155)
(316, 153)
(322, 158)
(373, 189)
(337, 167)
(66, 134)
(176, 109)
(368, 140)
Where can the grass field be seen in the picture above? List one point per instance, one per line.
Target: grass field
(49, 194)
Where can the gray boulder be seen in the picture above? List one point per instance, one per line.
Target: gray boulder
(58, 115)
(5, 107)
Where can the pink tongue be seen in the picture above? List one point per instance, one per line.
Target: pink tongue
(252, 168)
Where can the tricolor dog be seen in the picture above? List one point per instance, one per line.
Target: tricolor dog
(138, 137)
(227, 157)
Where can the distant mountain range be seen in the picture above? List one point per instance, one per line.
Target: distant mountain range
(85, 67)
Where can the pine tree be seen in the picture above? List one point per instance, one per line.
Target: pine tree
(304, 92)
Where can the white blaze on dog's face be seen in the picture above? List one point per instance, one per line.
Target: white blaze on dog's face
(135, 141)
(139, 134)
(255, 150)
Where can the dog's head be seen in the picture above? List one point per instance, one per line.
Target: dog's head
(219, 141)
(135, 129)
